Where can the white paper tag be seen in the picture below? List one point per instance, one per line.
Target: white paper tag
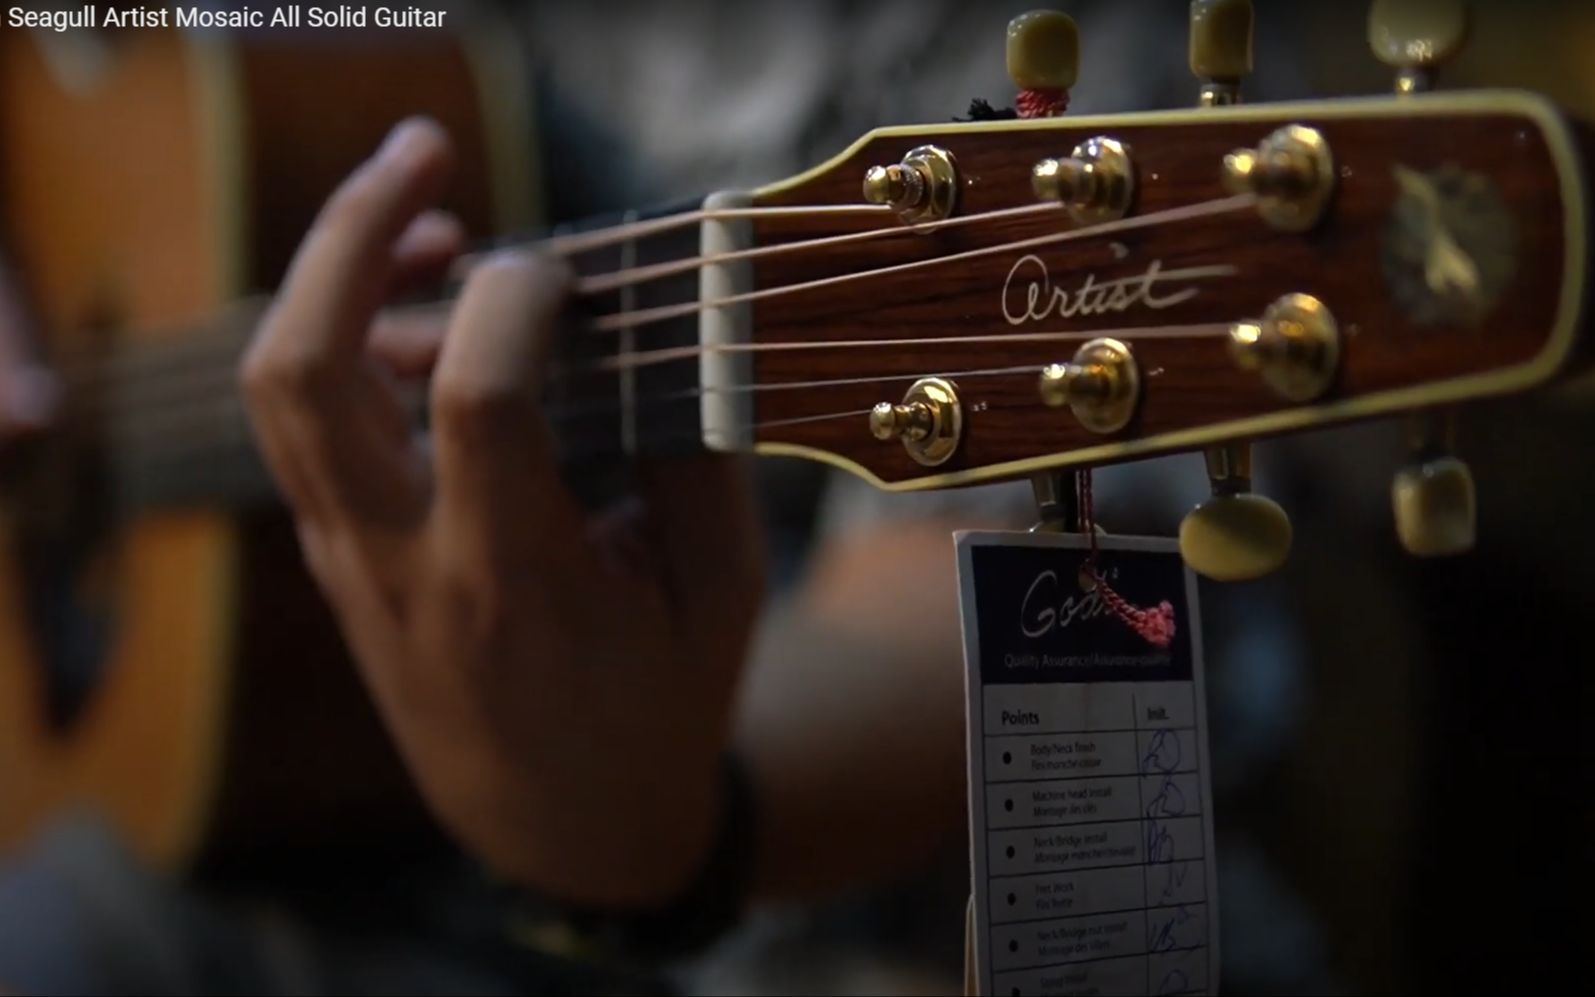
(1090, 826)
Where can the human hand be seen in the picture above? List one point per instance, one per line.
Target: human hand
(28, 391)
(563, 708)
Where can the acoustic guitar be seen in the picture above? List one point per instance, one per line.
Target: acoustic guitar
(1029, 294)
(164, 659)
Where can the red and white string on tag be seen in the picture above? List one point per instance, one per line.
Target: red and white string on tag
(1155, 625)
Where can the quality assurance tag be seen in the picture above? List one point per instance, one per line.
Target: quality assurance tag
(1091, 827)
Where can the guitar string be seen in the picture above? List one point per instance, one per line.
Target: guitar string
(168, 446)
(140, 424)
(205, 456)
(648, 358)
(605, 283)
(227, 339)
(672, 354)
(251, 307)
(1199, 210)
(1202, 209)
(176, 412)
(575, 243)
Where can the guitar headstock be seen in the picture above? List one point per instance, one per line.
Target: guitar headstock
(1069, 291)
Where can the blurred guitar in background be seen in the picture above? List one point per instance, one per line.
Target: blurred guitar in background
(164, 659)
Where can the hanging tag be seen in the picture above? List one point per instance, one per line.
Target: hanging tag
(1091, 830)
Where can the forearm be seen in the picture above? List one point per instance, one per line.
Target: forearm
(851, 718)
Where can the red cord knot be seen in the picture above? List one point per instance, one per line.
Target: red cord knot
(1155, 625)
(1041, 103)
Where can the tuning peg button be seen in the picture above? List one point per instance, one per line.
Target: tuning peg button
(1043, 50)
(1221, 48)
(1416, 37)
(1236, 535)
(1433, 499)
(1436, 514)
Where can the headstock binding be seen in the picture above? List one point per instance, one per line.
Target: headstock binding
(1195, 395)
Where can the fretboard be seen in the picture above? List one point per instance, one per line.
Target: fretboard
(642, 410)
(168, 425)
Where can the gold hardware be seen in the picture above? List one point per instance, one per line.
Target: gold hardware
(923, 187)
(929, 421)
(1237, 534)
(892, 185)
(1416, 37)
(1435, 507)
(1102, 385)
(1292, 173)
(1433, 499)
(1095, 184)
(1295, 347)
(1221, 48)
(1043, 50)
(913, 422)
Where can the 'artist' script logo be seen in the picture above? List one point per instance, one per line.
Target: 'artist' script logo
(1042, 612)
(1028, 294)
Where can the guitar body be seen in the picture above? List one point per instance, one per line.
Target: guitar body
(144, 187)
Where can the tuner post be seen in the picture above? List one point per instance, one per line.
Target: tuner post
(1294, 347)
(929, 421)
(1095, 183)
(1221, 48)
(1292, 172)
(1416, 37)
(921, 188)
(1101, 385)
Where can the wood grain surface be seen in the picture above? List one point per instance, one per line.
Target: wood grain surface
(1191, 383)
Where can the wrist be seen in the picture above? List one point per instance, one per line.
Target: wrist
(702, 900)
(628, 844)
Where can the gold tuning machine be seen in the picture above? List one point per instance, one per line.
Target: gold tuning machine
(1096, 183)
(1416, 37)
(1101, 386)
(1221, 48)
(1292, 172)
(1043, 50)
(929, 421)
(1295, 347)
(922, 188)
(1432, 497)
(1236, 535)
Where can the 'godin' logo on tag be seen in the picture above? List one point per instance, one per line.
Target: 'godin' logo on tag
(1042, 612)
(1041, 300)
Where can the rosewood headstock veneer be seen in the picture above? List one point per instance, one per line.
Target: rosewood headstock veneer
(1060, 292)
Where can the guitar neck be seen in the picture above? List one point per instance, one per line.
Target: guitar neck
(606, 401)
(1405, 262)
(168, 424)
